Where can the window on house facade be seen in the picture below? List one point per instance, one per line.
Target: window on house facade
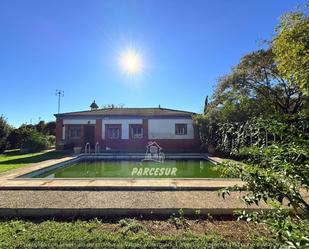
(74, 131)
(181, 129)
(136, 131)
(113, 132)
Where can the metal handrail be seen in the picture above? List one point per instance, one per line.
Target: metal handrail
(97, 148)
(87, 146)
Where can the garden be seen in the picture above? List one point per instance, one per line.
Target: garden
(257, 118)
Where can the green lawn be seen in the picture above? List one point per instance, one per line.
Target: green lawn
(14, 159)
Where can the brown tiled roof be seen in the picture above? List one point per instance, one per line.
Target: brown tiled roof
(128, 112)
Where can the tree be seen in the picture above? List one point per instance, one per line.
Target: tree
(255, 87)
(40, 126)
(291, 49)
(206, 105)
(50, 128)
(5, 129)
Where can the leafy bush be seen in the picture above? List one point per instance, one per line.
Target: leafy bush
(20, 137)
(4, 132)
(278, 175)
(14, 139)
(51, 140)
(32, 140)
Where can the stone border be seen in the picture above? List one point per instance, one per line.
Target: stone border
(88, 213)
(12, 180)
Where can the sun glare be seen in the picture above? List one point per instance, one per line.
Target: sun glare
(131, 62)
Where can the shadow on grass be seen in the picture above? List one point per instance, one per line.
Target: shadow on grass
(15, 152)
(33, 159)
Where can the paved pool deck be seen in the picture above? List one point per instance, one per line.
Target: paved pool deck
(69, 204)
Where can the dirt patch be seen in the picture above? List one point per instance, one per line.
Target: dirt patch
(230, 230)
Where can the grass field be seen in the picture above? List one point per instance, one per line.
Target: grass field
(15, 159)
(131, 233)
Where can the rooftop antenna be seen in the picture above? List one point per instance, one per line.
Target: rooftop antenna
(60, 94)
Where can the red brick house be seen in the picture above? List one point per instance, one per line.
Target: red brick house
(127, 129)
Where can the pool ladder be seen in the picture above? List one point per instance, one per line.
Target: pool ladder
(87, 148)
(97, 148)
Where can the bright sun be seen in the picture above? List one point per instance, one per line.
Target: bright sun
(131, 62)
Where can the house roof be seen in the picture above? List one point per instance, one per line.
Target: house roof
(128, 112)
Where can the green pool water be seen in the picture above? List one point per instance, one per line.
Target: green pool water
(135, 169)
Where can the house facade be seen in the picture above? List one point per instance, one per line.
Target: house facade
(127, 129)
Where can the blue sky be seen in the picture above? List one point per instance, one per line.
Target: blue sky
(74, 46)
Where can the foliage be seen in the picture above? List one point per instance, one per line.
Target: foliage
(278, 173)
(14, 139)
(269, 81)
(178, 220)
(17, 136)
(291, 47)
(254, 88)
(292, 230)
(202, 125)
(5, 129)
(206, 105)
(35, 137)
(260, 132)
(46, 128)
(51, 140)
(130, 226)
(50, 128)
(32, 140)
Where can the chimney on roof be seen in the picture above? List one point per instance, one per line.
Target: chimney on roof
(94, 106)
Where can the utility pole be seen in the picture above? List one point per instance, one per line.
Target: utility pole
(60, 94)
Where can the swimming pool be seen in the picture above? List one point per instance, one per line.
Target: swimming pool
(104, 168)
